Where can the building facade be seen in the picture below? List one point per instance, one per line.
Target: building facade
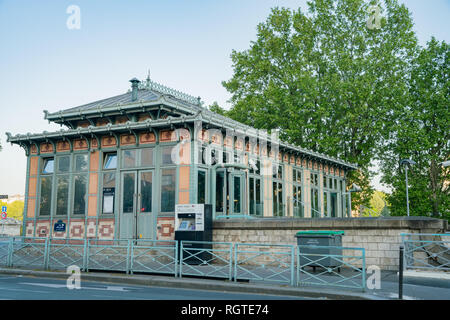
(122, 164)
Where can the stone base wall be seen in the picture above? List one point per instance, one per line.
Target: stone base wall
(380, 237)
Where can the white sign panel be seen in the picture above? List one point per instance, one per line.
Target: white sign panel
(197, 224)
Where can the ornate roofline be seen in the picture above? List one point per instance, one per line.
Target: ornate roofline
(148, 84)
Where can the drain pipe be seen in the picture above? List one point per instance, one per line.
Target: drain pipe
(213, 180)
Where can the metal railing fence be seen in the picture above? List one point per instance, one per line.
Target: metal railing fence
(264, 262)
(154, 256)
(337, 266)
(426, 251)
(273, 263)
(206, 259)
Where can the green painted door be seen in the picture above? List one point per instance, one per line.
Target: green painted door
(136, 205)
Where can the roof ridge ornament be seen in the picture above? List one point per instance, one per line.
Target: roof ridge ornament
(152, 85)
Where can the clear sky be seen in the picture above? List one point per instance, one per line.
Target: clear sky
(185, 44)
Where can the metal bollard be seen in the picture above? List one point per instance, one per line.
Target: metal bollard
(400, 274)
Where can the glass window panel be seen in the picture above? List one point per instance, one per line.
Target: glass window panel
(252, 189)
(63, 164)
(48, 165)
(201, 189)
(166, 155)
(168, 190)
(258, 190)
(109, 180)
(81, 162)
(129, 158)
(110, 161)
(237, 194)
(128, 192)
(220, 180)
(146, 157)
(79, 200)
(146, 191)
(62, 194)
(46, 196)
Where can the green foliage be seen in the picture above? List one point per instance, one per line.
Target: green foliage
(15, 209)
(325, 80)
(217, 109)
(378, 205)
(421, 132)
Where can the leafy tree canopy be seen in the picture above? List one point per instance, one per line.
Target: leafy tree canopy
(325, 80)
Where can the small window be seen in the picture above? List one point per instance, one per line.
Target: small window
(81, 162)
(166, 155)
(49, 164)
(129, 158)
(63, 164)
(110, 161)
(147, 157)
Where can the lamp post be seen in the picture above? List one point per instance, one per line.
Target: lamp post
(406, 163)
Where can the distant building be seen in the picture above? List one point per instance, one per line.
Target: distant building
(125, 161)
(16, 197)
(10, 227)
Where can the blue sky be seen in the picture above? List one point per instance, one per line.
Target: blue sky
(185, 44)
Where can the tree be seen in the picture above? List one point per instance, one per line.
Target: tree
(325, 80)
(421, 132)
(15, 209)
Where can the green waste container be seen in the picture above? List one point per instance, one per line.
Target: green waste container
(330, 243)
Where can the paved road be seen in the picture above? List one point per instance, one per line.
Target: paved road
(30, 288)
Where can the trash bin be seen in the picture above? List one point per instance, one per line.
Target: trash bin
(329, 242)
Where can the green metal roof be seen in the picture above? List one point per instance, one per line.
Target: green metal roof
(150, 95)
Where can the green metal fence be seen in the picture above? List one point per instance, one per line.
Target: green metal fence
(426, 251)
(154, 256)
(63, 253)
(331, 266)
(264, 262)
(273, 263)
(206, 259)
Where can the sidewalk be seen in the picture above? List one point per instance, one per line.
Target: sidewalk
(414, 288)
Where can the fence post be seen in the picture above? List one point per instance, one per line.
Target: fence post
(230, 277)
(235, 261)
(87, 255)
(363, 275)
(292, 264)
(46, 253)
(84, 255)
(10, 252)
(181, 258)
(400, 274)
(131, 257)
(176, 260)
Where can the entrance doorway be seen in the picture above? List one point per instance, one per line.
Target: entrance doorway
(230, 192)
(136, 205)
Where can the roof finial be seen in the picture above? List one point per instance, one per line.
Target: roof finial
(147, 84)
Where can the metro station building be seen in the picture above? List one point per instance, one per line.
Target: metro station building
(121, 164)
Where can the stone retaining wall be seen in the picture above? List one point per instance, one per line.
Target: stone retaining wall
(379, 236)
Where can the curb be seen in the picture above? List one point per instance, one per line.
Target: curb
(427, 274)
(196, 283)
